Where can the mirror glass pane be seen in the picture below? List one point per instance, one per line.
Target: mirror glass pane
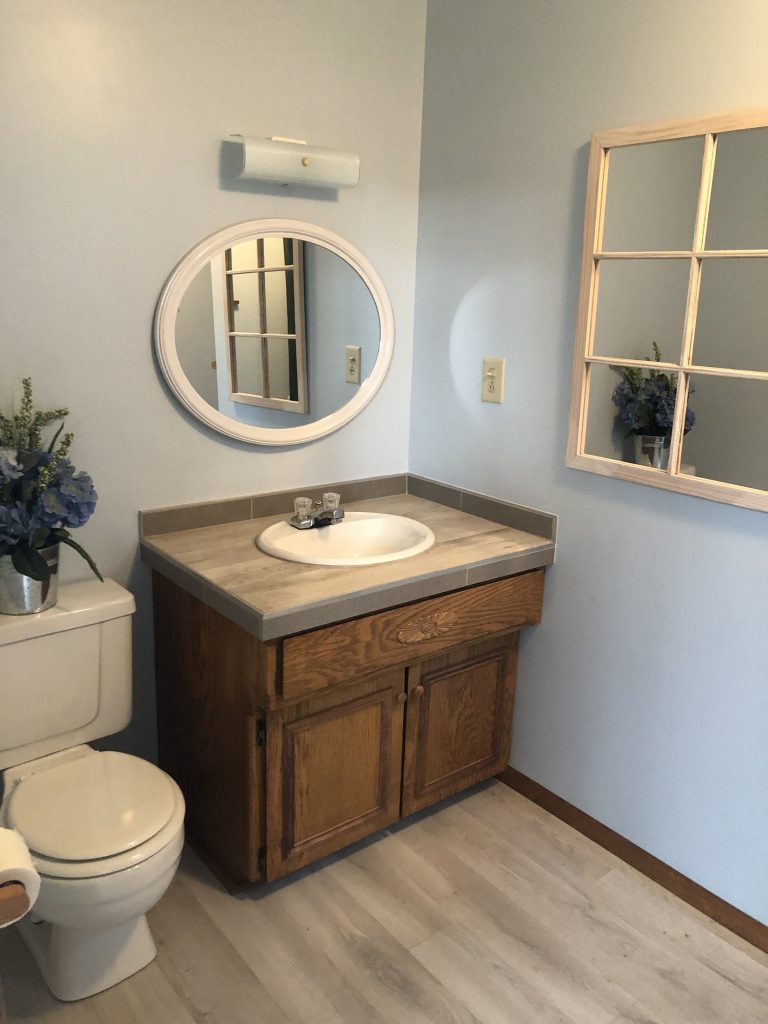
(652, 196)
(339, 311)
(617, 417)
(246, 356)
(738, 212)
(281, 353)
(639, 302)
(729, 439)
(605, 434)
(278, 291)
(278, 252)
(246, 307)
(244, 256)
(732, 323)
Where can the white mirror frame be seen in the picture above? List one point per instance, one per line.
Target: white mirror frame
(193, 263)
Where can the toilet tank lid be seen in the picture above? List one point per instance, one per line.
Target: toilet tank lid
(79, 604)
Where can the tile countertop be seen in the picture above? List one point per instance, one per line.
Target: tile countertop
(222, 566)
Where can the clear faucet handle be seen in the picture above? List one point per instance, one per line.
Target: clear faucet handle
(331, 500)
(302, 507)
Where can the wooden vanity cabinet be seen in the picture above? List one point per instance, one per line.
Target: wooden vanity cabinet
(289, 750)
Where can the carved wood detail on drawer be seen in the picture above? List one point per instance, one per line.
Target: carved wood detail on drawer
(427, 627)
(350, 650)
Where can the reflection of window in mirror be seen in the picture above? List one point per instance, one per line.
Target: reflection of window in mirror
(261, 330)
(670, 378)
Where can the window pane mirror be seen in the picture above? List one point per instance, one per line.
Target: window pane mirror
(274, 332)
(670, 374)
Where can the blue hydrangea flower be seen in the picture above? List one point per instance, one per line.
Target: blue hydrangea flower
(10, 468)
(649, 407)
(69, 501)
(15, 523)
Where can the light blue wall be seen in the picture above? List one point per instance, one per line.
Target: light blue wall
(643, 696)
(112, 118)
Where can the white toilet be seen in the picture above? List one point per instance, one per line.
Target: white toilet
(105, 830)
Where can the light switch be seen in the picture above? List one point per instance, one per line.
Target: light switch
(353, 364)
(493, 379)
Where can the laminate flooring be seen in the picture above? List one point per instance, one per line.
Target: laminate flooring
(486, 910)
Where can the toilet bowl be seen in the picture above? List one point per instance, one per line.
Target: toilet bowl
(105, 832)
(104, 829)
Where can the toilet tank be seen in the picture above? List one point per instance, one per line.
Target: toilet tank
(65, 674)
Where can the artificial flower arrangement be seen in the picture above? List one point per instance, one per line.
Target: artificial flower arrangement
(41, 492)
(647, 403)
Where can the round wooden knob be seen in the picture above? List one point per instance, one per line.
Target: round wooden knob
(417, 690)
(400, 698)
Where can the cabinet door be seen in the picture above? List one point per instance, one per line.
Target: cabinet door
(333, 770)
(459, 720)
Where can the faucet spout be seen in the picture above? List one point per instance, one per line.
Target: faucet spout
(316, 515)
(328, 516)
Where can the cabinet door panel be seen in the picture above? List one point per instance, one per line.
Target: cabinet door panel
(334, 770)
(459, 720)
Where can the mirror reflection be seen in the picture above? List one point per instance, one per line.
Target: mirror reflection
(631, 411)
(639, 301)
(606, 436)
(733, 313)
(730, 440)
(652, 196)
(264, 331)
(738, 211)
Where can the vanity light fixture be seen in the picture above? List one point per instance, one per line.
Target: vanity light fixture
(283, 161)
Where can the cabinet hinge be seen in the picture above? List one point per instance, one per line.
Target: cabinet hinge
(261, 860)
(261, 732)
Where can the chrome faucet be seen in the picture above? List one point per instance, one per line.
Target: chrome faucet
(309, 514)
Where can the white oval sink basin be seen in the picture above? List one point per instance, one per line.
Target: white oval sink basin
(361, 538)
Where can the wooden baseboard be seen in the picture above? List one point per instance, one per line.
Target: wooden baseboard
(730, 917)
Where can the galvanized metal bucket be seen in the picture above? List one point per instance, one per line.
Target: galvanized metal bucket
(651, 450)
(21, 595)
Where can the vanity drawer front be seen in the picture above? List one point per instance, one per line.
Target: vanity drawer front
(337, 654)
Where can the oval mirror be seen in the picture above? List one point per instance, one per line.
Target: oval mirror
(274, 332)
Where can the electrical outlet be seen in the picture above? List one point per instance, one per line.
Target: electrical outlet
(353, 364)
(493, 379)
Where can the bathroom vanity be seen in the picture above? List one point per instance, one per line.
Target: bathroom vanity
(303, 707)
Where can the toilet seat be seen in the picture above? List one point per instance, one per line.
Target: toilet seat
(95, 815)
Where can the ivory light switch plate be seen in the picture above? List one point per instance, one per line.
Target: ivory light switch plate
(493, 379)
(353, 364)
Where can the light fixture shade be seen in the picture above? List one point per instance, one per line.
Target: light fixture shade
(293, 162)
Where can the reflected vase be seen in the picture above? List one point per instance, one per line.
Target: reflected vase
(652, 450)
(21, 595)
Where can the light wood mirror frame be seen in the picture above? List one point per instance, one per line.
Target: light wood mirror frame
(593, 256)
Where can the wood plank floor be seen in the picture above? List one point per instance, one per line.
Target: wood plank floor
(484, 911)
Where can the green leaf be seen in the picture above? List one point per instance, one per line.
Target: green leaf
(83, 554)
(52, 445)
(29, 460)
(41, 537)
(30, 563)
